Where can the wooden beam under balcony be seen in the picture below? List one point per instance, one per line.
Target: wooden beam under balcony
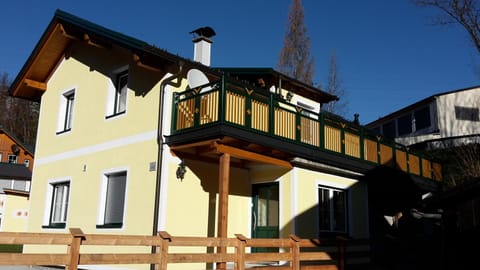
(35, 84)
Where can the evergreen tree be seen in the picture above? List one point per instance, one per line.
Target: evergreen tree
(295, 59)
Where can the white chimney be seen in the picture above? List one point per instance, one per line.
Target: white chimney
(202, 44)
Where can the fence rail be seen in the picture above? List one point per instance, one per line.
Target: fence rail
(293, 251)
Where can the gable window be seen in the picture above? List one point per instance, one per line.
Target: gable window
(388, 130)
(26, 162)
(467, 113)
(12, 159)
(404, 125)
(422, 118)
(332, 209)
(117, 103)
(60, 192)
(66, 112)
(114, 188)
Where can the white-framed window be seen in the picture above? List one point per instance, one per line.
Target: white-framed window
(332, 209)
(117, 94)
(26, 162)
(57, 207)
(65, 115)
(112, 204)
(12, 158)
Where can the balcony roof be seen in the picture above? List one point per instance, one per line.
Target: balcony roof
(272, 77)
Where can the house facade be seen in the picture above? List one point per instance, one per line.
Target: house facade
(135, 140)
(452, 116)
(16, 163)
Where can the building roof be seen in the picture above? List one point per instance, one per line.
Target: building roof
(418, 104)
(14, 171)
(66, 28)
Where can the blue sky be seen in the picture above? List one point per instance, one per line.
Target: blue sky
(388, 52)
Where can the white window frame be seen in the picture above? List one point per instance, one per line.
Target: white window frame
(12, 159)
(66, 111)
(102, 223)
(332, 209)
(116, 96)
(48, 221)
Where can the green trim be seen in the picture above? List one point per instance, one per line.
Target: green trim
(59, 225)
(109, 226)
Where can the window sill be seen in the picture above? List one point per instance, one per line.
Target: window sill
(63, 131)
(54, 226)
(115, 115)
(110, 226)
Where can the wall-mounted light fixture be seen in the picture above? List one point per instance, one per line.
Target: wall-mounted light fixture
(181, 170)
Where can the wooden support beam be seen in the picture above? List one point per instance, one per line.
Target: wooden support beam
(89, 41)
(35, 84)
(223, 190)
(138, 62)
(65, 34)
(243, 154)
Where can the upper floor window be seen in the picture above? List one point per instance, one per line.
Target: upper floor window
(57, 216)
(12, 159)
(332, 209)
(26, 162)
(117, 103)
(422, 118)
(467, 113)
(388, 129)
(404, 125)
(66, 112)
(113, 200)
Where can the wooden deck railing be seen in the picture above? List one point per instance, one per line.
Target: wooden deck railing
(262, 112)
(293, 252)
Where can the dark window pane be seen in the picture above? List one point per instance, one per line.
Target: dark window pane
(404, 124)
(422, 118)
(389, 129)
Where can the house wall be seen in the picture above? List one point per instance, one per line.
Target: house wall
(450, 122)
(96, 145)
(6, 143)
(15, 213)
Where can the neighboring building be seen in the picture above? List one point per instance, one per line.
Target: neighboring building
(449, 117)
(133, 140)
(16, 163)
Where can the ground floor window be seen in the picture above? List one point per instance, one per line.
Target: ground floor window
(332, 209)
(113, 200)
(60, 192)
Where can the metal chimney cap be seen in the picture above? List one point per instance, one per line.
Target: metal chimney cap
(206, 31)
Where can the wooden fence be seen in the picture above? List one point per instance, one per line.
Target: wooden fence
(293, 253)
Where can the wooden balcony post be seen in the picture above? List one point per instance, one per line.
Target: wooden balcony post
(74, 248)
(295, 251)
(223, 190)
(164, 250)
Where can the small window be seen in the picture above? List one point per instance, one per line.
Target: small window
(118, 96)
(66, 112)
(12, 159)
(422, 118)
(467, 113)
(26, 162)
(404, 125)
(60, 193)
(332, 209)
(114, 200)
(388, 130)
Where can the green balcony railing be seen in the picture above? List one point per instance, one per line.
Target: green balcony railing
(260, 111)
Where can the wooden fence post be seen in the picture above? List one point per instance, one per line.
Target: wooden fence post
(295, 251)
(164, 250)
(341, 253)
(74, 248)
(242, 244)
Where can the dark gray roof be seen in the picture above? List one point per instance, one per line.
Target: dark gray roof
(14, 171)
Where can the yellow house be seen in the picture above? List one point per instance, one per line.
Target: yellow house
(133, 140)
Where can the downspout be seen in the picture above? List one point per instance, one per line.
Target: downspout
(165, 82)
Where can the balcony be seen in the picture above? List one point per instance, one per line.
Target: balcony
(255, 120)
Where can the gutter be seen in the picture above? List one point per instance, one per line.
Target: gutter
(165, 82)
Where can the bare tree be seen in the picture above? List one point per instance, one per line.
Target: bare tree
(19, 116)
(335, 87)
(295, 59)
(465, 13)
